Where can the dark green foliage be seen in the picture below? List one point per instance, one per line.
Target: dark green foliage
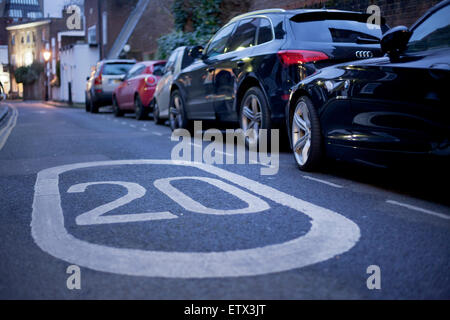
(29, 74)
(204, 15)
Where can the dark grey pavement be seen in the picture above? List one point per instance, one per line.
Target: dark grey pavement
(403, 220)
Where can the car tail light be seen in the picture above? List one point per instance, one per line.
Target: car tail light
(150, 81)
(292, 57)
(98, 80)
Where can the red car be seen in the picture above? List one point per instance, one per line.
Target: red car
(136, 91)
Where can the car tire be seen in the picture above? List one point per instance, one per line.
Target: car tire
(93, 106)
(140, 111)
(116, 109)
(156, 113)
(177, 112)
(87, 104)
(254, 114)
(306, 135)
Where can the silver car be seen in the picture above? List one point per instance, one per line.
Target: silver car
(178, 60)
(105, 77)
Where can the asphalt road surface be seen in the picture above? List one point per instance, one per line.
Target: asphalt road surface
(102, 193)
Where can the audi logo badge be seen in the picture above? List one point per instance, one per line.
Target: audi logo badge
(364, 54)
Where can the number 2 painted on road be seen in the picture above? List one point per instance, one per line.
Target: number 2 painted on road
(136, 191)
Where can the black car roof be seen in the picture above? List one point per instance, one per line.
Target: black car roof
(292, 12)
(308, 14)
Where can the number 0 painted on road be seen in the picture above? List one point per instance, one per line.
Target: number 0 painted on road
(331, 234)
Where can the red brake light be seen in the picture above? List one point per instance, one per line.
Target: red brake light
(98, 80)
(150, 81)
(291, 57)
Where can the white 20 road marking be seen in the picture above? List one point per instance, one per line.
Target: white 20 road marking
(331, 234)
(135, 191)
(254, 203)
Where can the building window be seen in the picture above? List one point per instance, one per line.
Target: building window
(28, 37)
(92, 35)
(34, 15)
(13, 13)
(13, 40)
(28, 58)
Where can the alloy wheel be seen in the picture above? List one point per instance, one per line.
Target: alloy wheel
(251, 118)
(176, 118)
(301, 133)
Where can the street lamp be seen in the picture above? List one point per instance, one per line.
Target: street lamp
(47, 55)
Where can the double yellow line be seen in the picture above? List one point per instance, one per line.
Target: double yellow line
(6, 131)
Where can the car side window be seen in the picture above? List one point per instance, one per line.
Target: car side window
(432, 33)
(171, 62)
(218, 44)
(186, 59)
(265, 33)
(245, 34)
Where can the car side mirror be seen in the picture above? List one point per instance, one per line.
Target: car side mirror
(87, 79)
(122, 77)
(395, 40)
(196, 52)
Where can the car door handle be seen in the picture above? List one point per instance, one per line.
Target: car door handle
(211, 69)
(240, 63)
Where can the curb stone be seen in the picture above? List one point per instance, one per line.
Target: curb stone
(64, 105)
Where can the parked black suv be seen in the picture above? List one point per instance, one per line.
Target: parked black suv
(246, 71)
(384, 112)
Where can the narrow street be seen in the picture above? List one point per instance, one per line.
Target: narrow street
(195, 231)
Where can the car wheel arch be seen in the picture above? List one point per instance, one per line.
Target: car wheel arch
(247, 83)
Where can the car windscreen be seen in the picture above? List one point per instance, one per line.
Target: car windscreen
(334, 28)
(116, 69)
(158, 69)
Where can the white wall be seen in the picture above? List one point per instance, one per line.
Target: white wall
(4, 76)
(3, 54)
(76, 65)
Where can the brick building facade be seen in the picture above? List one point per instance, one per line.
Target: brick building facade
(396, 12)
(156, 21)
(108, 18)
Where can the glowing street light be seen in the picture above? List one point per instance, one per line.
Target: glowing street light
(47, 55)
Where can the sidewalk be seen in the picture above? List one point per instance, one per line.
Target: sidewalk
(61, 104)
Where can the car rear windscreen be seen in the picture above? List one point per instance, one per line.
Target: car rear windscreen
(345, 28)
(116, 69)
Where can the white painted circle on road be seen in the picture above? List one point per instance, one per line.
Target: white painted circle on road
(331, 234)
